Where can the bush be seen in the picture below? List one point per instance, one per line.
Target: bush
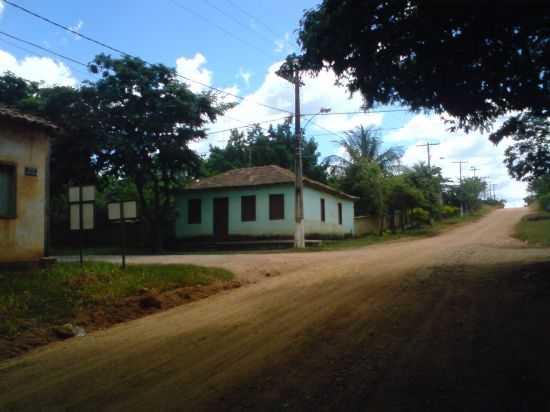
(449, 211)
(420, 215)
(544, 202)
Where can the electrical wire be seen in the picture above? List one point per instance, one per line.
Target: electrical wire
(123, 53)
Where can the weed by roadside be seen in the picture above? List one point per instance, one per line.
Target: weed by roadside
(535, 229)
(30, 300)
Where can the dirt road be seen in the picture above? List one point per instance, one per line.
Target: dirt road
(454, 322)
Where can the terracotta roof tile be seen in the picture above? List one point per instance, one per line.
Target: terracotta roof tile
(259, 176)
(16, 115)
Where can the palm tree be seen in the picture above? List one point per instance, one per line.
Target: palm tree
(365, 143)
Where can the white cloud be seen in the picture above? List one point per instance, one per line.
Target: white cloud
(473, 147)
(192, 68)
(38, 69)
(1, 8)
(245, 76)
(77, 27)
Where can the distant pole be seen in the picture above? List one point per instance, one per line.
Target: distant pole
(427, 146)
(474, 169)
(122, 235)
(460, 163)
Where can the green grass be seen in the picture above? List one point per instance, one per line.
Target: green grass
(54, 296)
(535, 232)
(424, 231)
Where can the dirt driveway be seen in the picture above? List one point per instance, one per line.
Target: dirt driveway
(453, 322)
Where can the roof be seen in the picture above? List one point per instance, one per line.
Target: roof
(29, 119)
(259, 176)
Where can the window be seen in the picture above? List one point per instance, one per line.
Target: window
(7, 191)
(194, 214)
(322, 210)
(248, 208)
(339, 213)
(276, 207)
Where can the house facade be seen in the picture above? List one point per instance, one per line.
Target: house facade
(258, 202)
(24, 157)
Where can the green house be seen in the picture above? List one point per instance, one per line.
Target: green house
(258, 202)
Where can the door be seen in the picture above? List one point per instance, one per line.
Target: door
(221, 218)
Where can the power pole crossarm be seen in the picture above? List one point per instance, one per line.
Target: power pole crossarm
(427, 146)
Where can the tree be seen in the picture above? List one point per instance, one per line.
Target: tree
(147, 118)
(429, 182)
(260, 148)
(365, 180)
(474, 60)
(364, 143)
(529, 156)
(401, 196)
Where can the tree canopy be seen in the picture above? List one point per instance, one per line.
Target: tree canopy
(528, 157)
(475, 60)
(259, 147)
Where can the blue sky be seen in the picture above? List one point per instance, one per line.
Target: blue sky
(234, 45)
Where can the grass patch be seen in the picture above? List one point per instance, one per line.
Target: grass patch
(30, 300)
(424, 231)
(535, 229)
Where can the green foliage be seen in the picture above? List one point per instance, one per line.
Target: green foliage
(401, 194)
(471, 60)
(449, 211)
(419, 215)
(364, 143)
(276, 146)
(535, 229)
(544, 202)
(529, 156)
(55, 295)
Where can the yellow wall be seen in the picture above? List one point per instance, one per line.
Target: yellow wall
(23, 238)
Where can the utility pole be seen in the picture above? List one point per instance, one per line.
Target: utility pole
(460, 163)
(428, 145)
(474, 169)
(299, 234)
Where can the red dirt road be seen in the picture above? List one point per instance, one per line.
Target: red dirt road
(453, 322)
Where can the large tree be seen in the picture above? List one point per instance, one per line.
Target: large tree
(147, 118)
(528, 157)
(475, 60)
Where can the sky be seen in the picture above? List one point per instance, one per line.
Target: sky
(236, 46)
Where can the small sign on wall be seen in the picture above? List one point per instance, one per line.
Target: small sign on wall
(31, 171)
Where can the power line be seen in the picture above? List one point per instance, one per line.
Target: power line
(357, 112)
(247, 125)
(219, 27)
(243, 11)
(43, 49)
(236, 20)
(73, 66)
(123, 53)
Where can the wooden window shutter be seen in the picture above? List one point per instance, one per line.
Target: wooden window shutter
(276, 207)
(194, 212)
(248, 208)
(322, 210)
(339, 213)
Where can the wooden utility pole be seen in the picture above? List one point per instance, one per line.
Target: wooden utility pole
(474, 169)
(460, 163)
(427, 146)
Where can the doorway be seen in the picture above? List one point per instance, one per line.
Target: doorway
(221, 218)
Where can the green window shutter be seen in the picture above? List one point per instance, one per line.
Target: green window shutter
(7, 191)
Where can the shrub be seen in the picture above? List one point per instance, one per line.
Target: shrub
(420, 215)
(544, 202)
(449, 211)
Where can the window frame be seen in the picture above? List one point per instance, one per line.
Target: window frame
(12, 214)
(323, 211)
(340, 213)
(194, 219)
(271, 209)
(252, 216)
